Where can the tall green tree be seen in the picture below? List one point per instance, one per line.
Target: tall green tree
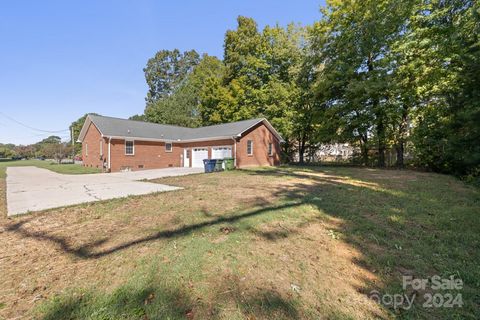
(169, 98)
(259, 77)
(182, 106)
(312, 123)
(353, 43)
(443, 41)
(166, 72)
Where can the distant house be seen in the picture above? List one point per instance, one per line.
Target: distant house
(333, 152)
(119, 144)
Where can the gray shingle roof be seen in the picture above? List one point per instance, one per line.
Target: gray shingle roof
(115, 127)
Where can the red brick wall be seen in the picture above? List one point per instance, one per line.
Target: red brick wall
(261, 137)
(149, 154)
(92, 139)
(152, 155)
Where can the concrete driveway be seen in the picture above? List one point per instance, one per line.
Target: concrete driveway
(34, 189)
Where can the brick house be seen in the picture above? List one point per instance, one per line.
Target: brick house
(119, 144)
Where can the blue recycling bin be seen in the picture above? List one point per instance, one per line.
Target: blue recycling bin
(209, 165)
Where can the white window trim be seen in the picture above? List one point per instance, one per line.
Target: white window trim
(101, 147)
(251, 149)
(133, 148)
(171, 147)
(86, 149)
(270, 149)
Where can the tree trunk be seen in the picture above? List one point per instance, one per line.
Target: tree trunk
(401, 140)
(380, 119)
(379, 114)
(365, 155)
(381, 142)
(301, 151)
(400, 148)
(364, 149)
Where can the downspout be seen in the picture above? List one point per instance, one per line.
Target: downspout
(234, 152)
(109, 166)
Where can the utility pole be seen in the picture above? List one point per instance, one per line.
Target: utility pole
(73, 145)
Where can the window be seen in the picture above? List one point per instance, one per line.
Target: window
(221, 152)
(101, 147)
(86, 149)
(249, 147)
(129, 148)
(270, 149)
(168, 147)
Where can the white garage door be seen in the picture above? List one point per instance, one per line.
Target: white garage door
(198, 154)
(221, 152)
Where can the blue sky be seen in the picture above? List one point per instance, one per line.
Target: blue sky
(62, 59)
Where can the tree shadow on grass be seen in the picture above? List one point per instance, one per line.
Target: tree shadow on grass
(392, 233)
(147, 301)
(398, 229)
(233, 298)
(85, 251)
(168, 301)
(269, 305)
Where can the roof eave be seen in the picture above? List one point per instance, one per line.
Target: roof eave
(168, 140)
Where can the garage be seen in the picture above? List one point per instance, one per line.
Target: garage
(221, 152)
(198, 154)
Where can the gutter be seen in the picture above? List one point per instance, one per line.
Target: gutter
(108, 160)
(234, 151)
(169, 140)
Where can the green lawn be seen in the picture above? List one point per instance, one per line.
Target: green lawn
(274, 243)
(60, 168)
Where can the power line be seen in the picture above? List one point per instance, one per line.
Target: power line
(40, 136)
(29, 127)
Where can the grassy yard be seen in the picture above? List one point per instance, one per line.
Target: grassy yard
(279, 243)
